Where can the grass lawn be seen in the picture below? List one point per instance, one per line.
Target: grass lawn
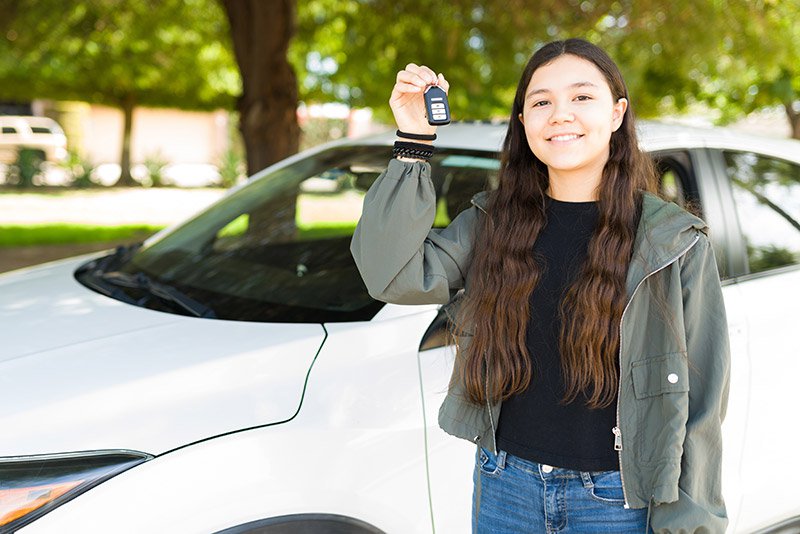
(60, 233)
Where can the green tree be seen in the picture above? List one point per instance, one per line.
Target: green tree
(350, 50)
(758, 63)
(119, 53)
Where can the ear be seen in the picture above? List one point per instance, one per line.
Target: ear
(521, 119)
(618, 114)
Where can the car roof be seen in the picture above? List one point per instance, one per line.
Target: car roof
(32, 121)
(653, 136)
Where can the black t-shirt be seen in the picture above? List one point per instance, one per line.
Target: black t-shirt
(533, 425)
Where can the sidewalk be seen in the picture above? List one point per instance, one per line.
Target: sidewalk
(157, 206)
(100, 207)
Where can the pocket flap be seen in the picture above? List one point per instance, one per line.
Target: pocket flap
(668, 373)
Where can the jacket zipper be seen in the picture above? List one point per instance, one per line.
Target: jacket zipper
(489, 407)
(472, 201)
(488, 403)
(616, 430)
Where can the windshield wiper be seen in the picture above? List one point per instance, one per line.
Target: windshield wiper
(93, 281)
(160, 290)
(120, 255)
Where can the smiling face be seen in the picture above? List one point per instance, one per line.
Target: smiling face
(569, 115)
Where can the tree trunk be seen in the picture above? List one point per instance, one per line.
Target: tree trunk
(261, 32)
(10, 9)
(125, 178)
(794, 119)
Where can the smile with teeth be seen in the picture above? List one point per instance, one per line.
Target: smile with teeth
(565, 137)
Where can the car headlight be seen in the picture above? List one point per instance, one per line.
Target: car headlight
(31, 486)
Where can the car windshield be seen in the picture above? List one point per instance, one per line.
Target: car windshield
(278, 249)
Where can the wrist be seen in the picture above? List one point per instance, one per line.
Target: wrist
(419, 141)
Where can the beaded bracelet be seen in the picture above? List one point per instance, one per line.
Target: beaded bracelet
(413, 150)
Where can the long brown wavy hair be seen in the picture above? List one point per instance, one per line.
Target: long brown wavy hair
(497, 365)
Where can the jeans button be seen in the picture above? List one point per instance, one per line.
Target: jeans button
(547, 468)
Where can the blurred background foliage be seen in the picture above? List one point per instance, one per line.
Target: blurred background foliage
(735, 56)
(161, 53)
(262, 57)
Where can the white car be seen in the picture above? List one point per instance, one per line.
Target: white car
(40, 133)
(232, 375)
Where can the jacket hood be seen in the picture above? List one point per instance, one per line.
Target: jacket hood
(665, 230)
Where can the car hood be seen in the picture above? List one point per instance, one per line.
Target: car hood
(80, 371)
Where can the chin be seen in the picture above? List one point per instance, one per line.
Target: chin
(565, 166)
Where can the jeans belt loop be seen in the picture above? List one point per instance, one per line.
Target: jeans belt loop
(501, 459)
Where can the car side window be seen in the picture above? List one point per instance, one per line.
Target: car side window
(766, 193)
(677, 181)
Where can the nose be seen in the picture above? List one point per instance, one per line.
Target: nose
(561, 112)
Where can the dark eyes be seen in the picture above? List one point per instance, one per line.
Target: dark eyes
(579, 98)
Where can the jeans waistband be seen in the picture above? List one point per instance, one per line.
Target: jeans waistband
(545, 471)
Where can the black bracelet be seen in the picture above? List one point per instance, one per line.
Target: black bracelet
(409, 144)
(412, 153)
(418, 137)
(413, 150)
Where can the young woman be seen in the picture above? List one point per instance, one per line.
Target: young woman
(592, 364)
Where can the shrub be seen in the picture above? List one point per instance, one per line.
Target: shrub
(155, 163)
(28, 165)
(231, 167)
(80, 170)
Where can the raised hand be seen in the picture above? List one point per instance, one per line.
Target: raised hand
(407, 100)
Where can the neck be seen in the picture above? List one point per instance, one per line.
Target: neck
(575, 186)
(573, 191)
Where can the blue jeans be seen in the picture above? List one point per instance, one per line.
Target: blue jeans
(519, 496)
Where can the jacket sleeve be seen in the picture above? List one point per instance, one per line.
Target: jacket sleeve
(400, 258)
(700, 507)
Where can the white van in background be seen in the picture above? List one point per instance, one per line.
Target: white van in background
(41, 133)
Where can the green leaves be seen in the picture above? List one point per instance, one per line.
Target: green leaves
(735, 55)
(162, 53)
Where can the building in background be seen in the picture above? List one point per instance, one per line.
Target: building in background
(190, 146)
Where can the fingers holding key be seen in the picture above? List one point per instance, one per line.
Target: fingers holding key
(417, 75)
(425, 74)
(444, 84)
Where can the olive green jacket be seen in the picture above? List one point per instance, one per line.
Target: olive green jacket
(673, 382)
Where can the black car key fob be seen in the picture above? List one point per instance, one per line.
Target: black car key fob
(436, 105)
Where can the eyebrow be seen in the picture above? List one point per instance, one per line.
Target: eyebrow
(574, 85)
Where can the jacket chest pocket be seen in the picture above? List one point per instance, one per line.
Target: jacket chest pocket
(661, 388)
(668, 373)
